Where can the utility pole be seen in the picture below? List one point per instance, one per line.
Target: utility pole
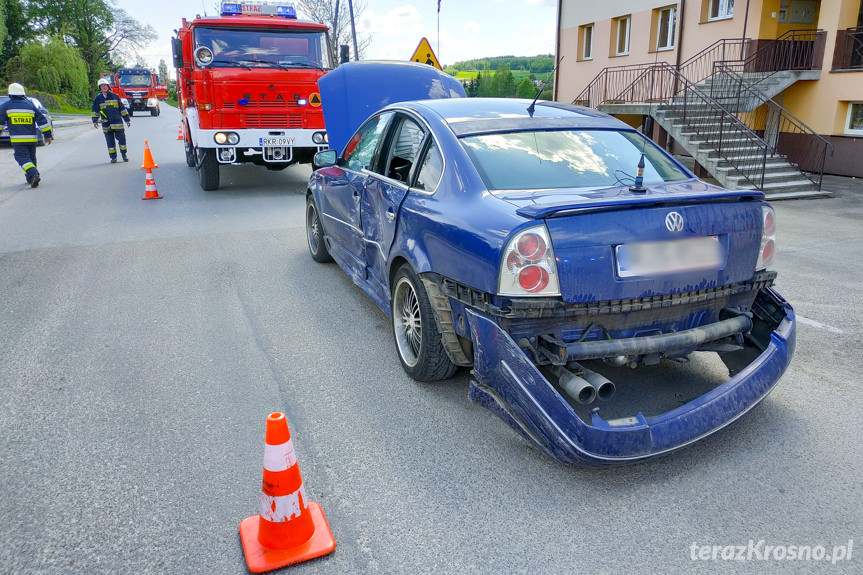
(354, 30)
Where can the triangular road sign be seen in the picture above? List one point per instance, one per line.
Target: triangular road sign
(425, 55)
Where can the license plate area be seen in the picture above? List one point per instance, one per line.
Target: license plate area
(278, 142)
(647, 259)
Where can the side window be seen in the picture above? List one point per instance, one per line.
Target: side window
(431, 169)
(360, 150)
(404, 150)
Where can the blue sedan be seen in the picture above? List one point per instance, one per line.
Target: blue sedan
(554, 250)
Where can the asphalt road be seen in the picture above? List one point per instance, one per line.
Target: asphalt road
(143, 343)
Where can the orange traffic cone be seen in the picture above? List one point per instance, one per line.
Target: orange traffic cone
(150, 191)
(180, 132)
(148, 157)
(289, 529)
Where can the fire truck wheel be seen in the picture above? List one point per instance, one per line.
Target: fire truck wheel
(190, 151)
(208, 170)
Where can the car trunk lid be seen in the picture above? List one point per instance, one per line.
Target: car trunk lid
(613, 244)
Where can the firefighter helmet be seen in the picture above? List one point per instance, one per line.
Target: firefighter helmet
(103, 81)
(16, 89)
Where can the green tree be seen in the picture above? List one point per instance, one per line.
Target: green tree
(503, 82)
(54, 68)
(15, 31)
(163, 68)
(526, 89)
(95, 27)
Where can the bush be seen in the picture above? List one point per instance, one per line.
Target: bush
(54, 68)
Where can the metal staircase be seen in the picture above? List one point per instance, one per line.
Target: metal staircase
(720, 109)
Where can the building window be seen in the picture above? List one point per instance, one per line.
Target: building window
(587, 42)
(854, 123)
(622, 46)
(720, 9)
(665, 27)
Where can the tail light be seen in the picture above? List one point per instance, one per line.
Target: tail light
(528, 266)
(768, 238)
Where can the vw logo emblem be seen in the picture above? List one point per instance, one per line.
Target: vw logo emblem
(674, 222)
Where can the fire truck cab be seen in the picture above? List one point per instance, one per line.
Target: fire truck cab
(247, 88)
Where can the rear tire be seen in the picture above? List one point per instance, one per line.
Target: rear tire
(418, 341)
(315, 233)
(208, 170)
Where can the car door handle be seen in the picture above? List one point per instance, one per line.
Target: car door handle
(391, 215)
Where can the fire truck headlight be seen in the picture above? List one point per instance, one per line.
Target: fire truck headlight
(319, 137)
(125, 102)
(203, 56)
(152, 102)
(222, 138)
(302, 102)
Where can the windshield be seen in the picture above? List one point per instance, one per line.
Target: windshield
(247, 48)
(567, 159)
(134, 80)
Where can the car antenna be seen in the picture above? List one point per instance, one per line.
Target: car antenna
(638, 186)
(531, 108)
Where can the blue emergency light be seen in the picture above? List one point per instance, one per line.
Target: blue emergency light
(258, 9)
(231, 9)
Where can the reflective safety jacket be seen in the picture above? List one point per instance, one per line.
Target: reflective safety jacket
(24, 120)
(108, 109)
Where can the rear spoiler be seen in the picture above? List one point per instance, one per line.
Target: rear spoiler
(631, 201)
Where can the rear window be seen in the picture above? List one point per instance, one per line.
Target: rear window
(539, 160)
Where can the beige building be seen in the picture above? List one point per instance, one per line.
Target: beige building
(796, 67)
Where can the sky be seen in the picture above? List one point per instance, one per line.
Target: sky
(468, 28)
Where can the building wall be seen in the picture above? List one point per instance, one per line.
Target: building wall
(822, 105)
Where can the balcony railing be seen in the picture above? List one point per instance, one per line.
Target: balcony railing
(849, 49)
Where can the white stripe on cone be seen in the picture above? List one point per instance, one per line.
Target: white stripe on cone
(283, 508)
(279, 457)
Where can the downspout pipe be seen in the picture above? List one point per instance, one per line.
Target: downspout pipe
(557, 50)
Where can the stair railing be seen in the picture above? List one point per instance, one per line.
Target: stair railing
(743, 150)
(784, 133)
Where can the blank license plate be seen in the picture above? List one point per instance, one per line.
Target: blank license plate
(280, 142)
(657, 258)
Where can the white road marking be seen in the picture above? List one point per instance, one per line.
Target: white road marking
(818, 324)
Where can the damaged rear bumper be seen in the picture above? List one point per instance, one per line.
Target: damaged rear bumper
(509, 384)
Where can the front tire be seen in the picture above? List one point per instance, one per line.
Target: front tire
(418, 341)
(190, 151)
(315, 233)
(208, 170)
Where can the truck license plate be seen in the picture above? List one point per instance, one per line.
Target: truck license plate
(656, 258)
(280, 142)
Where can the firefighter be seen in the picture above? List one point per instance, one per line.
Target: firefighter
(24, 121)
(108, 108)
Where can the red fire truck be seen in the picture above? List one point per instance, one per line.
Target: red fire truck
(161, 86)
(137, 89)
(247, 88)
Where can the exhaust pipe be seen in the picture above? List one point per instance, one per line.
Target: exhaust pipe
(576, 387)
(604, 388)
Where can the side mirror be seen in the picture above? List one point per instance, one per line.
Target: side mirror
(177, 50)
(325, 159)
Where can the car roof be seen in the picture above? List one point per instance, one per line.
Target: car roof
(467, 116)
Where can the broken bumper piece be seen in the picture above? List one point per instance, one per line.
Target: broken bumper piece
(509, 384)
